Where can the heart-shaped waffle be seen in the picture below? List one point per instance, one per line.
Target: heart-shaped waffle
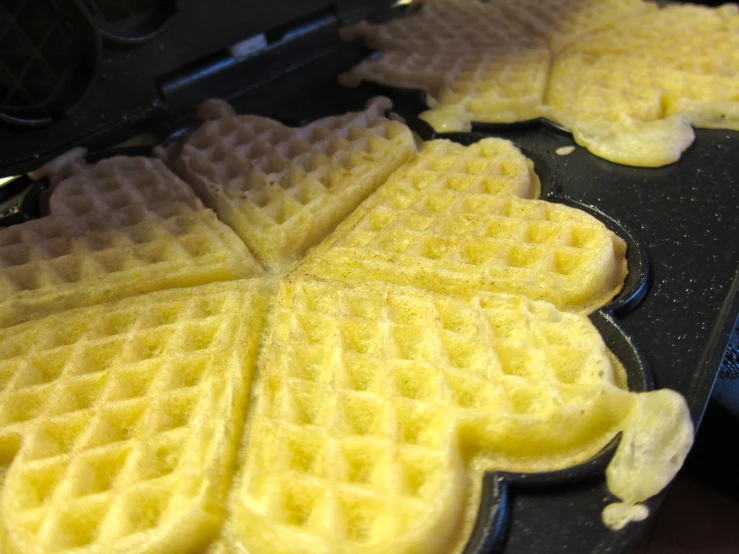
(378, 407)
(479, 62)
(451, 222)
(282, 189)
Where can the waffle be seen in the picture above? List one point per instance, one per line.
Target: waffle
(283, 190)
(561, 22)
(120, 422)
(427, 228)
(454, 26)
(481, 62)
(494, 86)
(378, 407)
(66, 165)
(117, 183)
(489, 167)
(123, 227)
(474, 63)
(630, 92)
(626, 77)
(689, 37)
(614, 108)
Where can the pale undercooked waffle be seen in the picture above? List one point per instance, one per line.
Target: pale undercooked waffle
(451, 221)
(474, 63)
(122, 227)
(492, 86)
(627, 78)
(562, 21)
(120, 422)
(631, 92)
(111, 185)
(282, 189)
(378, 408)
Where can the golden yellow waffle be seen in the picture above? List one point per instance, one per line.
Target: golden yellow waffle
(626, 77)
(495, 86)
(475, 63)
(379, 407)
(427, 228)
(490, 166)
(283, 190)
(120, 422)
(614, 107)
(483, 62)
(119, 233)
(689, 37)
(631, 91)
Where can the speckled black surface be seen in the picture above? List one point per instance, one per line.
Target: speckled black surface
(730, 366)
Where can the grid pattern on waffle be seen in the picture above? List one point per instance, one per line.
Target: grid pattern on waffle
(475, 62)
(44, 269)
(118, 182)
(490, 166)
(453, 26)
(541, 250)
(561, 22)
(451, 222)
(372, 399)
(125, 226)
(126, 418)
(282, 189)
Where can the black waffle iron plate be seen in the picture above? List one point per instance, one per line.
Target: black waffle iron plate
(96, 72)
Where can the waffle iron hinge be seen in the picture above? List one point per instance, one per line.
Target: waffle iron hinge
(251, 63)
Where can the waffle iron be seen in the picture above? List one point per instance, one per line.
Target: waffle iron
(99, 73)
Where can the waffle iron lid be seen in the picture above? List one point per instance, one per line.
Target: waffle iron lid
(74, 71)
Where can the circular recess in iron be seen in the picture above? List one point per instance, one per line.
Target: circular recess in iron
(130, 22)
(49, 59)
